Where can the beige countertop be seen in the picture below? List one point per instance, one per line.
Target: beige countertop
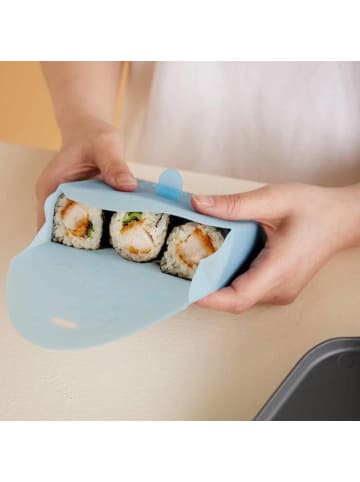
(197, 365)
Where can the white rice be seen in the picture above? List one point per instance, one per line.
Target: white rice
(61, 234)
(171, 262)
(155, 227)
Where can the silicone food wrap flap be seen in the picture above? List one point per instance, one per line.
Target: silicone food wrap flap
(63, 297)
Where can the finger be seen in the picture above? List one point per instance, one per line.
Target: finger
(60, 169)
(40, 215)
(250, 287)
(114, 171)
(268, 202)
(222, 300)
(46, 185)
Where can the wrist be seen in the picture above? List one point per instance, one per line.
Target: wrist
(348, 200)
(76, 114)
(82, 126)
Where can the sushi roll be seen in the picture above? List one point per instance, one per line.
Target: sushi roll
(187, 245)
(138, 236)
(76, 224)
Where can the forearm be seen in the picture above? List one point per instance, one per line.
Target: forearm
(82, 91)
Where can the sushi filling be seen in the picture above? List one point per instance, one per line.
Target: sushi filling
(76, 224)
(76, 220)
(197, 245)
(138, 236)
(133, 216)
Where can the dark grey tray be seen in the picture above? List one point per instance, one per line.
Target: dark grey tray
(324, 385)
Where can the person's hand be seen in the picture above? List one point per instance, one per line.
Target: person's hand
(305, 225)
(93, 150)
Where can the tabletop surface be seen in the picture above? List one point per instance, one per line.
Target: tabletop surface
(197, 365)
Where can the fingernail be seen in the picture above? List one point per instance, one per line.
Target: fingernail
(206, 201)
(125, 180)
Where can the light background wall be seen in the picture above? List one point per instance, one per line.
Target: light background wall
(26, 115)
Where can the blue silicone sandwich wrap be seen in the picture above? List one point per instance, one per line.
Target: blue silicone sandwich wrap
(62, 297)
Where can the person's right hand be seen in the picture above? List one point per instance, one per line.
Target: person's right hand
(95, 149)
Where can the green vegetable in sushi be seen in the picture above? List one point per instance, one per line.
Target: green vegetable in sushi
(132, 216)
(90, 230)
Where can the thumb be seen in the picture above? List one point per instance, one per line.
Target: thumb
(265, 203)
(113, 168)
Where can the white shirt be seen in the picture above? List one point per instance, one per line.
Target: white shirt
(265, 121)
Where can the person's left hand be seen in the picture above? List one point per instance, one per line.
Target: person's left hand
(305, 225)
